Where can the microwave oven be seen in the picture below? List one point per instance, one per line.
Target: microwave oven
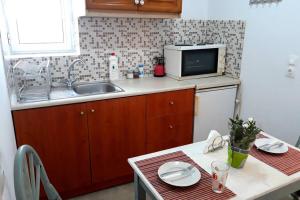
(194, 61)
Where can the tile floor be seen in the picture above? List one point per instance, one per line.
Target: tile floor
(123, 192)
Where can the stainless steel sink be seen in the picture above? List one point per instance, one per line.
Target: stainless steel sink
(95, 88)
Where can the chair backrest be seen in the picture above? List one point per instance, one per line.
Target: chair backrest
(298, 143)
(28, 173)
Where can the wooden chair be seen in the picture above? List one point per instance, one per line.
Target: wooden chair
(28, 173)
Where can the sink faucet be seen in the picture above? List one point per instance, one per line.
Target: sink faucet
(70, 80)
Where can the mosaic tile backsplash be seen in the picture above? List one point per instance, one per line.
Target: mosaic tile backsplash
(232, 34)
(138, 41)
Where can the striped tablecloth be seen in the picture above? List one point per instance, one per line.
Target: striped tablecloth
(201, 190)
(288, 163)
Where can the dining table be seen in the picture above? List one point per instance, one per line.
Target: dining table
(256, 180)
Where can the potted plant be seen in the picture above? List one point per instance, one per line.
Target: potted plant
(242, 137)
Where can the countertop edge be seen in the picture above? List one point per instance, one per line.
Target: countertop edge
(216, 85)
(88, 98)
(133, 88)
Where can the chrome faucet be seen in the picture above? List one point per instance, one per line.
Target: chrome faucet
(70, 80)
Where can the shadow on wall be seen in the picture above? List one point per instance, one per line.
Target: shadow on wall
(2, 181)
(5, 193)
(7, 139)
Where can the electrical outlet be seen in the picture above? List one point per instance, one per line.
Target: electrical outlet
(292, 66)
(291, 72)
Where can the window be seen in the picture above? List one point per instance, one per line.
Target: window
(35, 27)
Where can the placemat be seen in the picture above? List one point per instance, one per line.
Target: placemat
(201, 190)
(288, 163)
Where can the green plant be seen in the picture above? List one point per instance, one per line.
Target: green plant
(242, 134)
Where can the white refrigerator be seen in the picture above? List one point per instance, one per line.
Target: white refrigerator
(213, 108)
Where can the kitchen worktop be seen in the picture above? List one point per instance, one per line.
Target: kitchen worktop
(213, 82)
(131, 87)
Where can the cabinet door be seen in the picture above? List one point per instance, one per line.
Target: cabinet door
(111, 5)
(215, 107)
(167, 6)
(169, 131)
(170, 103)
(170, 119)
(60, 137)
(117, 132)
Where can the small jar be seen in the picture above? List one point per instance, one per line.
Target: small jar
(129, 74)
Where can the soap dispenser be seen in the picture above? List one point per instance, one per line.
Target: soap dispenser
(113, 67)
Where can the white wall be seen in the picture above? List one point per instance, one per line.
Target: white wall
(7, 140)
(272, 34)
(194, 9)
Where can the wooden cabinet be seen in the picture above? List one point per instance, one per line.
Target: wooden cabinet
(169, 131)
(128, 5)
(164, 6)
(117, 132)
(60, 136)
(170, 103)
(85, 147)
(169, 119)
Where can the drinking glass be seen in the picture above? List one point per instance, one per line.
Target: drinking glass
(219, 175)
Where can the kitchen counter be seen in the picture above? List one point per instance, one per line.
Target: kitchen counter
(131, 87)
(213, 82)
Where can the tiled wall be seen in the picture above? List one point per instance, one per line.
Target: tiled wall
(232, 34)
(140, 40)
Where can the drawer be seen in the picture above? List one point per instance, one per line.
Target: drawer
(167, 103)
(168, 132)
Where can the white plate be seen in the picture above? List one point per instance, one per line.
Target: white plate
(277, 150)
(183, 181)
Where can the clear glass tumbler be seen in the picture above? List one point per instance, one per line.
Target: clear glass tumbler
(219, 175)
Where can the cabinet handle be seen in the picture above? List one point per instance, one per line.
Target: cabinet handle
(171, 127)
(171, 102)
(92, 110)
(136, 2)
(81, 113)
(142, 2)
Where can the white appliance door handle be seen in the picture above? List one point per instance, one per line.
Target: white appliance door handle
(197, 99)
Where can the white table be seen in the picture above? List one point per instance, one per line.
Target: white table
(256, 180)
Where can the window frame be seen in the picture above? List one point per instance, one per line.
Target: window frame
(70, 46)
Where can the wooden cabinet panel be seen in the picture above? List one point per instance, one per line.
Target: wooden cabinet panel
(169, 131)
(170, 119)
(167, 6)
(117, 132)
(164, 6)
(111, 5)
(86, 146)
(60, 136)
(175, 102)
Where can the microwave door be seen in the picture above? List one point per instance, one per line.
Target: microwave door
(193, 70)
(199, 62)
